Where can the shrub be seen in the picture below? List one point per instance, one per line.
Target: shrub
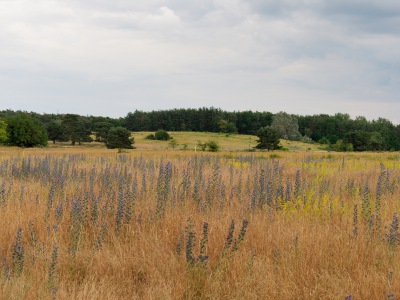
(173, 143)
(162, 135)
(150, 137)
(212, 146)
(119, 137)
(202, 146)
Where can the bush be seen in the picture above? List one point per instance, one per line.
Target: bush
(150, 137)
(119, 137)
(201, 145)
(173, 143)
(212, 146)
(341, 146)
(162, 135)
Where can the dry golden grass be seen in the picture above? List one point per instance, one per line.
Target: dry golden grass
(299, 248)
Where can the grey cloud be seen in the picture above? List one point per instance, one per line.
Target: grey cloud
(299, 56)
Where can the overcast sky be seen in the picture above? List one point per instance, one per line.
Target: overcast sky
(108, 58)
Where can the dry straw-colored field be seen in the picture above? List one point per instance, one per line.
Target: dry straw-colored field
(94, 224)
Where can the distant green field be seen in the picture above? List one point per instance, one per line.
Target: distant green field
(233, 142)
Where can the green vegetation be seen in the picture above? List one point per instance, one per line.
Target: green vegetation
(227, 127)
(3, 131)
(286, 126)
(76, 129)
(173, 143)
(363, 135)
(366, 141)
(25, 131)
(119, 137)
(101, 130)
(212, 146)
(162, 135)
(55, 131)
(340, 146)
(233, 142)
(268, 138)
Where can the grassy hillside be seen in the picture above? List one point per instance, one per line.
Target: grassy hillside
(234, 142)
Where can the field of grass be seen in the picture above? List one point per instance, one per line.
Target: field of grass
(233, 142)
(89, 223)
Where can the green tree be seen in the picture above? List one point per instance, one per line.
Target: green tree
(287, 126)
(162, 135)
(227, 127)
(101, 130)
(55, 131)
(268, 138)
(76, 129)
(376, 142)
(3, 131)
(119, 137)
(25, 131)
(341, 146)
(359, 139)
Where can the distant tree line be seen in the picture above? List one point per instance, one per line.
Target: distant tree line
(199, 120)
(32, 130)
(338, 132)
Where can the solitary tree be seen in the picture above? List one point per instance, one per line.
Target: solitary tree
(119, 137)
(287, 126)
(25, 131)
(268, 138)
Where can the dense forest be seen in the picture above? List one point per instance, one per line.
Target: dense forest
(339, 129)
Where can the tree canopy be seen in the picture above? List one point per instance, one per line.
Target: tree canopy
(162, 135)
(286, 126)
(383, 135)
(76, 129)
(101, 130)
(55, 131)
(119, 137)
(25, 131)
(268, 138)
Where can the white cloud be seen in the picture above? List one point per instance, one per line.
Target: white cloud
(263, 55)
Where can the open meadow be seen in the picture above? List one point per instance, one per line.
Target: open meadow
(91, 223)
